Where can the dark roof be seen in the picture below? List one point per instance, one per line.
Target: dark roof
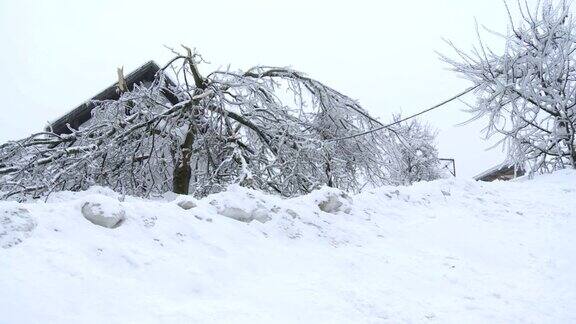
(501, 171)
(82, 113)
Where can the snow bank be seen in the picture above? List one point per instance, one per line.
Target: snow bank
(449, 251)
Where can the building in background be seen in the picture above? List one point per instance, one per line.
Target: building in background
(144, 75)
(504, 171)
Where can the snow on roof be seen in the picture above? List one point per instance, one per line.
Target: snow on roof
(82, 113)
(492, 170)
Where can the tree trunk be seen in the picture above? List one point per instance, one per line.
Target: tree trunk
(182, 170)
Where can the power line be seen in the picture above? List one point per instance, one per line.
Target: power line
(403, 119)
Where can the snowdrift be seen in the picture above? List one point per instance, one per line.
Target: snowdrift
(449, 251)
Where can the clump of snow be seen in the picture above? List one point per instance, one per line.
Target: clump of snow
(261, 214)
(448, 251)
(235, 213)
(103, 211)
(16, 224)
(331, 200)
(186, 204)
(244, 205)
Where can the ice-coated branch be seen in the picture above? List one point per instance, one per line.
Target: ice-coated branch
(270, 128)
(527, 92)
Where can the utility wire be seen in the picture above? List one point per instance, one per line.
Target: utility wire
(403, 119)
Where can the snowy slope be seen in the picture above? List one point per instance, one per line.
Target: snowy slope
(450, 251)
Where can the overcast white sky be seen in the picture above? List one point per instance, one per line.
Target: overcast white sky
(57, 54)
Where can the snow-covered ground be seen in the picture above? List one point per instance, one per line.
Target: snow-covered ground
(449, 251)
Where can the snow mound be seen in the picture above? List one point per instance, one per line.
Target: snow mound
(448, 251)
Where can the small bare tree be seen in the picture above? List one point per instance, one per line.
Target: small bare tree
(528, 91)
(267, 127)
(416, 157)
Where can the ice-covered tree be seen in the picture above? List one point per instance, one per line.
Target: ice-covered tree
(528, 90)
(269, 128)
(416, 156)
